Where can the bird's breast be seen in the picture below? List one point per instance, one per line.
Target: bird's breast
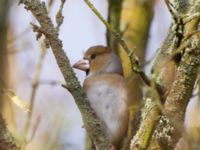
(107, 95)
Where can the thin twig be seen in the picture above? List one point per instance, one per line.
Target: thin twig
(50, 82)
(172, 12)
(59, 16)
(34, 89)
(136, 67)
(35, 127)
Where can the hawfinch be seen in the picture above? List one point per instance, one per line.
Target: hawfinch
(106, 90)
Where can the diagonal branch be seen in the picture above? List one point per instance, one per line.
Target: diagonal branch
(91, 123)
(136, 66)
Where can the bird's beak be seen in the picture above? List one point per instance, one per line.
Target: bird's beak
(82, 64)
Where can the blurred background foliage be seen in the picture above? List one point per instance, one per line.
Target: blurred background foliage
(31, 78)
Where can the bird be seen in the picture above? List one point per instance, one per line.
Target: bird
(106, 90)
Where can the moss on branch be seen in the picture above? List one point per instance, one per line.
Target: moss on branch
(178, 88)
(142, 138)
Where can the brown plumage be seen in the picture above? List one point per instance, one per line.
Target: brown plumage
(106, 90)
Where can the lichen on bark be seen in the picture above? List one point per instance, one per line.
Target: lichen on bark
(91, 123)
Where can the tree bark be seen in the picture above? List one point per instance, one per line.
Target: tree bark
(91, 123)
(180, 62)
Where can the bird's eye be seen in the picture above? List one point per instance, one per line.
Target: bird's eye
(93, 56)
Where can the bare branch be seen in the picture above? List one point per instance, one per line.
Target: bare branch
(91, 123)
(35, 127)
(59, 16)
(35, 84)
(136, 67)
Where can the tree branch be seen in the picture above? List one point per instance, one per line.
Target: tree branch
(91, 123)
(114, 18)
(135, 64)
(35, 84)
(177, 88)
(182, 87)
(142, 138)
(165, 64)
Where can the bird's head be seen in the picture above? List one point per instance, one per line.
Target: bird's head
(98, 60)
